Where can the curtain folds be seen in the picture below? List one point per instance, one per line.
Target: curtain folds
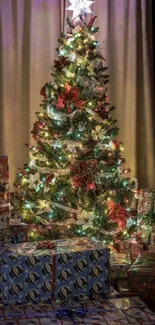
(29, 30)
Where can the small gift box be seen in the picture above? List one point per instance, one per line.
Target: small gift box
(124, 290)
(119, 266)
(58, 270)
(146, 201)
(151, 248)
(142, 273)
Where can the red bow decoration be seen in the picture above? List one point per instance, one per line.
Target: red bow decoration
(118, 214)
(70, 95)
(46, 244)
(62, 62)
(49, 178)
(91, 22)
(84, 173)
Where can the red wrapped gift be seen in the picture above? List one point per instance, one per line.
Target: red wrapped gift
(146, 202)
(142, 273)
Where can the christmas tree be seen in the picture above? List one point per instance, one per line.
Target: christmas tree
(74, 184)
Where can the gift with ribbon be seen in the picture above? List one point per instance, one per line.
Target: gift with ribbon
(57, 270)
(142, 273)
(112, 311)
(4, 200)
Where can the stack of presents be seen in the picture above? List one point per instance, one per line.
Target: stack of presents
(74, 281)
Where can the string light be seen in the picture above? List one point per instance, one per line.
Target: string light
(24, 181)
(27, 206)
(121, 147)
(32, 233)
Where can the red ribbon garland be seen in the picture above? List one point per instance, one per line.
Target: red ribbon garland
(46, 244)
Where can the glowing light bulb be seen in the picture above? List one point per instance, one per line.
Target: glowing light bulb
(24, 181)
(27, 206)
(121, 147)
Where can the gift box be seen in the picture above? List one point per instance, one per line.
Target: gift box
(124, 289)
(18, 232)
(146, 202)
(59, 269)
(119, 266)
(151, 248)
(142, 273)
(111, 312)
(4, 200)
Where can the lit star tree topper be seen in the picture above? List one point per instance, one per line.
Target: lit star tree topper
(80, 7)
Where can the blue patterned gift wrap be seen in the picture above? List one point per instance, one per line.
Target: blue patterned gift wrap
(110, 312)
(74, 268)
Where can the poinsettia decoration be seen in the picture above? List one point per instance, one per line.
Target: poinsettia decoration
(83, 174)
(71, 95)
(118, 214)
(61, 63)
(101, 110)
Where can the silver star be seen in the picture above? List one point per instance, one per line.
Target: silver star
(80, 7)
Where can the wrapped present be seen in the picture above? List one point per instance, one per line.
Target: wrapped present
(18, 232)
(124, 289)
(134, 249)
(146, 201)
(142, 273)
(110, 312)
(151, 248)
(119, 266)
(4, 200)
(153, 235)
(59, 269)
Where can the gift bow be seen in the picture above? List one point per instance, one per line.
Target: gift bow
(81, 311)
(67, 312)
(46, 244)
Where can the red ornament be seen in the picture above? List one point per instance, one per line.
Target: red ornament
(67, 89)
(49, 178)
(83, 173)
(116, 143)
(118, 214)
(43, 91)
(60, 102)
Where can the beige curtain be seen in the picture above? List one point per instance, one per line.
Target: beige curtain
(29, 30)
